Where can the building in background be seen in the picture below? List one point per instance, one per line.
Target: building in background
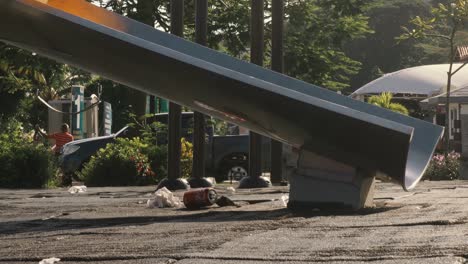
(86, 124)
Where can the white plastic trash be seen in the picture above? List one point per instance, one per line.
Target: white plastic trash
(77, 189)
(49, 261)
(211, 180)
(164, 198)
(230, 190)
(284, 200)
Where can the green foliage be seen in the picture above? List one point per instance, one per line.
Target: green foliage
(186, 158)
(23, 164)
(444, 167)
(119, 164)
(445, 25)
(157, 156)
(228, 27)
(220, 127)
(379, 52)
(133, 162)
(22, 74)
(12, 87)
(315, 34)
(446, 21)
(384, 100)
(152, 133)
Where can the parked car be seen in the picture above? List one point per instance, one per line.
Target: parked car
(226, 156)
(74, 154)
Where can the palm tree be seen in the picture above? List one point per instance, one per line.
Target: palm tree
(384, 100)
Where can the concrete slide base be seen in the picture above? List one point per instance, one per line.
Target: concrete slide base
(322, 183)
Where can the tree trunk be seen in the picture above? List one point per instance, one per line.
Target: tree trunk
(144, 13)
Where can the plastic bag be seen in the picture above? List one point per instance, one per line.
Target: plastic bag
(164, 198)
(230, 190)
(77, 189)
(284, 200)
(49, 261)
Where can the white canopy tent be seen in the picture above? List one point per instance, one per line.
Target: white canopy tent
(421, 81)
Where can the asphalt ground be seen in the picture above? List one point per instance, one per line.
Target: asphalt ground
(114, 225)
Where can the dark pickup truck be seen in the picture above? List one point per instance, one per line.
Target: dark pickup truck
(226, 156)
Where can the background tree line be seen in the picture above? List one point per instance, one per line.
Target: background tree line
(336, 44)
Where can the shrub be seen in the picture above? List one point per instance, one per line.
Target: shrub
(154, 135)
(444, 168)
(385, 100)
(119, 164)
(186, 158)
(157, 156)
(24, 164)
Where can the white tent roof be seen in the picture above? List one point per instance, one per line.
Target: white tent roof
(427, 80)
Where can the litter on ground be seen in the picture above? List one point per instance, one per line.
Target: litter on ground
(230, 190)
(77, 189)
(224, 201)
(164, 198)
(49, 261)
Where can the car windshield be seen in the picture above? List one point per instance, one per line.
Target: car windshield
(121, 131)
(127, 132)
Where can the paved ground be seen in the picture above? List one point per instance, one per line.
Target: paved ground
(113, 225)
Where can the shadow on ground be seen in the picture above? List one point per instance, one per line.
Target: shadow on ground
(60, 224)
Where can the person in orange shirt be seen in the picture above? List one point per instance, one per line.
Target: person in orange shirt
(61, 138)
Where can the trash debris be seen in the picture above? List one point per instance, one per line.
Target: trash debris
(224, 201)
(212, 180)
(49, 261)
(284, 200)
(55, 216)
(164, 198)
(77, 189)
(198, 198)
(230, 190)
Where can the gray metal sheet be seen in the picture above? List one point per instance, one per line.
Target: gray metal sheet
(266, 102)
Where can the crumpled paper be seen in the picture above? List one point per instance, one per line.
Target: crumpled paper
(230, 190)
(77, 189)
(164, 198)
(49, 261)
(284, 200)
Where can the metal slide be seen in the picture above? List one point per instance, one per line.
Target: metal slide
(303, 115)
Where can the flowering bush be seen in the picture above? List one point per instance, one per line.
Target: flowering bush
(158, 159)
(444, 168)
(186, 158)
(157, 156)
(119, 164)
